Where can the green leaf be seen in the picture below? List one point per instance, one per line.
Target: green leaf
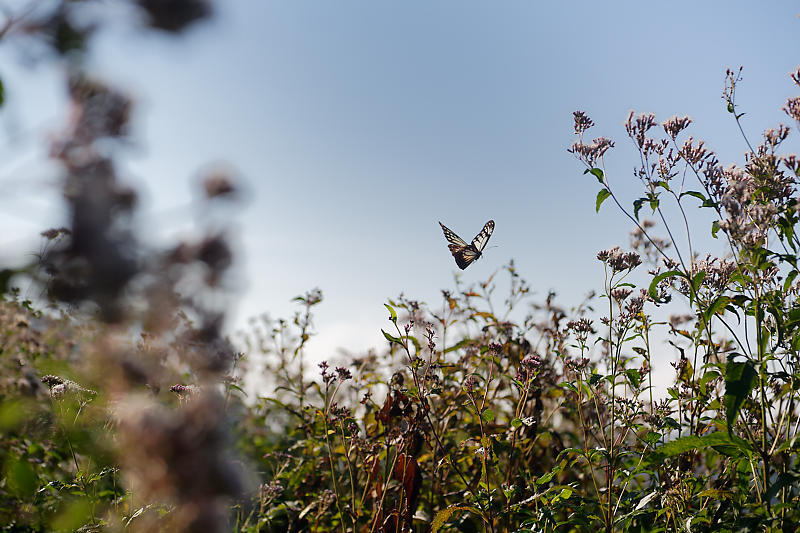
(138, 512)
(21, 478)
(633, 377)
(545, 478)
(789, 280)
(720, 440)
(392, 313)
(602, 194)
(488, 415)
(597, 173)
(391, 338)
(696, 194)
(444, 515)
(656, 280)
(739, 381)
(2, 93)
(718, 306)
(237, 388)
(644, 501)
(72, 516)
(563, 495)
(714, 228)
(652, 437)
(413, 340)
(516, 423)
(637, 205)
(654, 202)
(14, 412)
(460, 344)
(707, 377)
(697, 279)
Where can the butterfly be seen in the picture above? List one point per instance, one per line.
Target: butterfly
(465, 253)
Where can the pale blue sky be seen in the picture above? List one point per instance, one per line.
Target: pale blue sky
(358, 125)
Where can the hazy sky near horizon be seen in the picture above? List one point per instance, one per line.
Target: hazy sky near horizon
(356, 126)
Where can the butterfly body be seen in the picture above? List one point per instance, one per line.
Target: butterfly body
(464, 253)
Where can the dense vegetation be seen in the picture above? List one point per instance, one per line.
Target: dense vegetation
(122, 405)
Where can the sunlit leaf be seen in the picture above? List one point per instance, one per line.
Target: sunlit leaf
(721, 439)
(391, 338)
(644, 501)
(602, 194)
(444, 515)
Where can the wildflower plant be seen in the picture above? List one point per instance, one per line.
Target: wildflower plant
(732, 437)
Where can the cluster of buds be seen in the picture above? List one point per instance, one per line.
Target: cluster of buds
(470, 384)
(338, 414)
(583, 325)
(582, 122)
(636, 304)
(591, 153)
(532, 362)
(620, 294)
(327, 378)
(429, 335)
(269, 491)
(343, 374)
(675, 125)
(618, 260)
(576, 365)
(638, 127)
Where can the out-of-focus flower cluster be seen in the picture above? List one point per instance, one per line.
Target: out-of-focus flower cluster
(182, 457)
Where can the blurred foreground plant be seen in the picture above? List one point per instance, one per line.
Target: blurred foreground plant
(110, 447)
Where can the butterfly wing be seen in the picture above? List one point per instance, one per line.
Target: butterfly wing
(480, 240)
(464, 253)
(466, 256)
(454, 240)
